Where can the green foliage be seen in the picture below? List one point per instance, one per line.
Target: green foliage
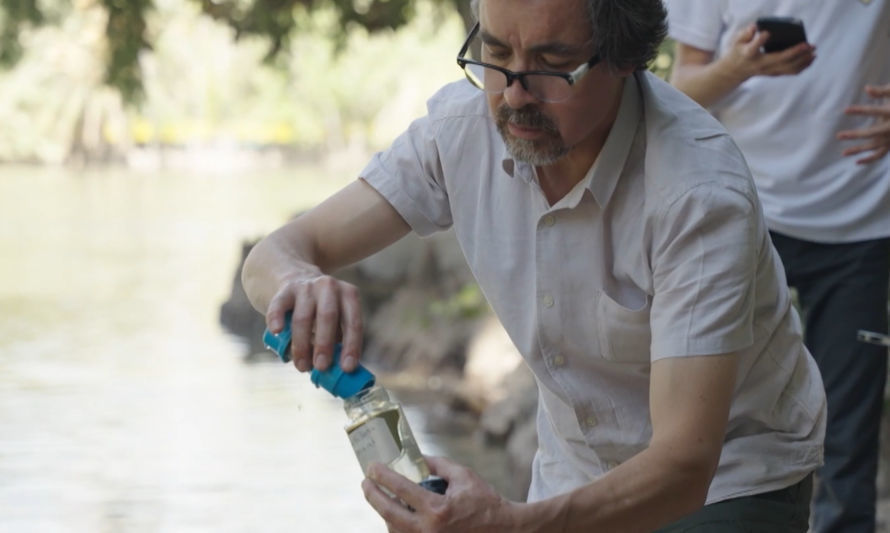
(13, 15)
(190, 83)
(664, 61)
(468, 302)
(127, 38)
(201, 88)
(276, 21)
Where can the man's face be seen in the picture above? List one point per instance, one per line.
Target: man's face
(549, 35)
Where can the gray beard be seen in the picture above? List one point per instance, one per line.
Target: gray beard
(530, 152)
(541, 152)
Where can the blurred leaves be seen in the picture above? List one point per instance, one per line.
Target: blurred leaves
(200, 87)
(14, 15)
(277, 21)
(96, 79)
(126, 35)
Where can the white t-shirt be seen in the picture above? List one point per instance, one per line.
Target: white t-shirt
(786, 125)
(661, 251)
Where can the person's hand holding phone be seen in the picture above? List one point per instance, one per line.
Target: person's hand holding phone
(876, 138)
(749, 58)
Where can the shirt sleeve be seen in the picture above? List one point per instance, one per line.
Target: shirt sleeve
(409, 176)
(704, 261)
(698, 23)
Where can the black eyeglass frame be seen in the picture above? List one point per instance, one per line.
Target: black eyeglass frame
(571, 77)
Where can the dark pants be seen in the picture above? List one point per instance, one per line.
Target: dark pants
(781, 511)
(843, 288)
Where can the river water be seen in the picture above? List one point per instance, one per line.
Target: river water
(124, 407)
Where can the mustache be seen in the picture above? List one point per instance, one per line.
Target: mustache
(528, 116)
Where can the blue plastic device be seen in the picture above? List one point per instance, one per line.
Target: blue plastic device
(335, 380)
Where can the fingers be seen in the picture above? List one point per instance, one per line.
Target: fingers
(394, 497)
(403, 488)
(880, 91)
(788, 62)
(439, 466)
(302, 324)
(351, 327)
(327, 321)
(755, 41)
(748, 44)
(746, 34)
(877, 136)
(874, 110)
(874, 157)
(854, 150)
(878, 148)
(802, 59)
(878, 142)
(324, 308)
(279, 306)
(878, 130)
(391, 510)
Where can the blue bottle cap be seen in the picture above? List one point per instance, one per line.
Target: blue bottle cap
(340, 383)
(279, 343)
(334, 380)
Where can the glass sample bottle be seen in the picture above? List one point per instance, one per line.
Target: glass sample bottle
(379, 432)
(377, 427)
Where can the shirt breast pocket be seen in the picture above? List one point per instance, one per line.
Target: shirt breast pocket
(624, 332)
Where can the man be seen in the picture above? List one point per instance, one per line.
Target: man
(614, 228)
(824, 180)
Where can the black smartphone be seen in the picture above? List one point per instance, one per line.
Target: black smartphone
(784, 32)
(873, 338)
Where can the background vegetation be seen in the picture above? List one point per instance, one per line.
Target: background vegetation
(94, 80)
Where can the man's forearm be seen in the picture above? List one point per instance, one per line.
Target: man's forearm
(347, 227)
(651, 490)
(707, 84)
(272, 261)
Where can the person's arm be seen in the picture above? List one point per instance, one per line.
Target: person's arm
(875, 139)
(289, 270)
(707, 80)
(690, 399)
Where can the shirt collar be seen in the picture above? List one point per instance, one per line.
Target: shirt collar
(517, 169)
(603, 176)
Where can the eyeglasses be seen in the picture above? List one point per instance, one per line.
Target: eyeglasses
(547, 86)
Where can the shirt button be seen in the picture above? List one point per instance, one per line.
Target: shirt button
(549, 220)
(559, 361)
(590, 422)
(547, 300)
(611, 465)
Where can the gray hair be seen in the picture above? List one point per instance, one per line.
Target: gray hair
(626, 33)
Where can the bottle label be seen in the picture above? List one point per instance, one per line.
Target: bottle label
(375, 440)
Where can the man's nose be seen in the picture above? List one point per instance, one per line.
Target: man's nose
(516, 96)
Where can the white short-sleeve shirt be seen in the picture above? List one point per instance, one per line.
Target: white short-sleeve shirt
(786, 126)
(660, 251)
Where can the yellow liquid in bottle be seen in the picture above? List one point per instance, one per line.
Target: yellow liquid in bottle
(380, 433)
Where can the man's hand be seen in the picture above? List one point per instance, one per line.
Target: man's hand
(706, 79)
(875, 139)
(746, 57)
(289, 270)
(469, 505)
(324, 309)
